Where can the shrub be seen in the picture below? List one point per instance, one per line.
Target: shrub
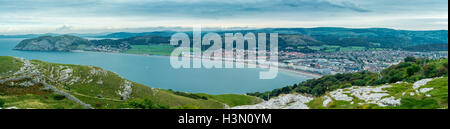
(190, 95)
(419, 103)
(59, 97)
(98, 105)
(2, 102)
(410, 59)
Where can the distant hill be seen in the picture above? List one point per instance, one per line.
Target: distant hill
(50, 43)
(130, 35)
(87, 35)
(70, 43)
(298, 39)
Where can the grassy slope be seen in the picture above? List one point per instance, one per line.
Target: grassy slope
(87, 89)
(438, 99)
(9, 65)
(234, 100)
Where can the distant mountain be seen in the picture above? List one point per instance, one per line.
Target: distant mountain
(367, 37)
(298, 39)
(382, 37)
(50, 43)
(130, 35)
(88, 35)
(69, 43)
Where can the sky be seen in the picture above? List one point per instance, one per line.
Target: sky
(97, 16)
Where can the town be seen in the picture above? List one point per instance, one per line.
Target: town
(326, 63)
(323, 63)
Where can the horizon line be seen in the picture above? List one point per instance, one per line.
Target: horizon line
(180, 29)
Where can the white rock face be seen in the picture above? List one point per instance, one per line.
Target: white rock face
(339, 95)
(26, 84)
(390, 101)
(417, 86)
(327, 101)
(369, 94)
(155, 91)
(27, 68)
(425, 90)
(126, 90)
(420, 83)
(74, 80)
(289, 101)
(95, 71)
(65, 75)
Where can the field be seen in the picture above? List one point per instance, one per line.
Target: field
(165, 50)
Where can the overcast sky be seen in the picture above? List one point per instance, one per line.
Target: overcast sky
(94, 16)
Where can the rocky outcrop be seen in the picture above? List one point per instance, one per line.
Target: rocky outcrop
(126, 90)
(71, 43)
(369, 95)
(31, 76)
(289, 101)
(378, 95)
(49, 43)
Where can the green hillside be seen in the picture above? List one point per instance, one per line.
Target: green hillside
(23, 85)
(404, 93)
(401, 77)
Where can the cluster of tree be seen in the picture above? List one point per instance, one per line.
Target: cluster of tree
(59, 97)
(413, 70)
(410, 71)
(110, 42)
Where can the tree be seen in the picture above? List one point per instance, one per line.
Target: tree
(410, 59)
(412, 70)
(286, 90)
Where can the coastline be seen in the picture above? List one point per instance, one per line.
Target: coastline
(297, 72)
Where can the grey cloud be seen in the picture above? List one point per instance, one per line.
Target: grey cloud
(196, 8)
(336, 12)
